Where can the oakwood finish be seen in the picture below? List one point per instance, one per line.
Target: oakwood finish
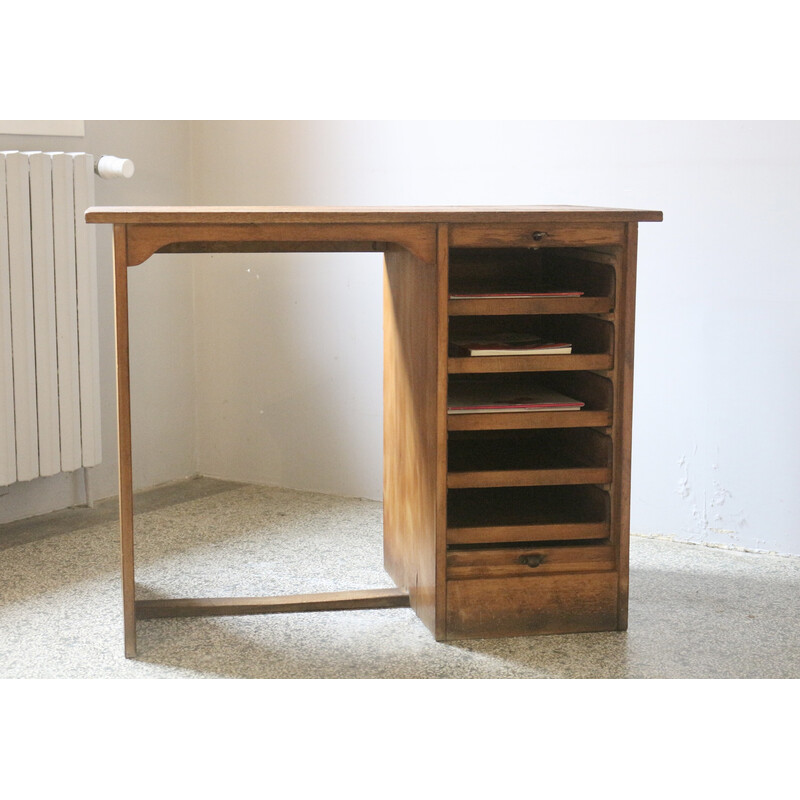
(497, 524)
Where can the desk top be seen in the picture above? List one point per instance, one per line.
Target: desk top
(205, 215)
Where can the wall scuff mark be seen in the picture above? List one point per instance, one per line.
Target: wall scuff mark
(709, 516)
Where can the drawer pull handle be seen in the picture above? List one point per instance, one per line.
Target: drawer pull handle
(531, 559)
(538, 235)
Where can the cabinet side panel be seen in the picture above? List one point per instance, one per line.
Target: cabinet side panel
(623, 415)
(443, 284)
(411, 356)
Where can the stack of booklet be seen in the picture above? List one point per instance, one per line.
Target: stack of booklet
(483, 398)
(507, 344)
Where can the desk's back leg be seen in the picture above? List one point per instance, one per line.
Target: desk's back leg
(124, 438)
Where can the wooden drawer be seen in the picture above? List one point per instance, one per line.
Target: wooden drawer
(536, 235)
(529, 561)
(556, 603)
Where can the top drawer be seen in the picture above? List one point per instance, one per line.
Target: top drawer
(544, 234)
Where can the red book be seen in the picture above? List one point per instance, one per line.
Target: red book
(477, 295)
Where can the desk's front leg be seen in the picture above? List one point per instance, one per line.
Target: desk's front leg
(124, 437)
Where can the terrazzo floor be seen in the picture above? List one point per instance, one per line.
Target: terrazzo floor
(695, 611)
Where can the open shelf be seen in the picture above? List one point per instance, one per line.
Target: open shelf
(592, 341)
(527, 514)
(592, 389)
(489, 270)
(546, 457)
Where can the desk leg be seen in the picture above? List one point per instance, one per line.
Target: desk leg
(124, 438)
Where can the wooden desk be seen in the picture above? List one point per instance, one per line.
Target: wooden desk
(495, 524)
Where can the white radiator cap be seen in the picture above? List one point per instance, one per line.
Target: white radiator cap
(113, 167)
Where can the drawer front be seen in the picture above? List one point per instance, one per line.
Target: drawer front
(542, 235)
(556, 603)
(508, 562)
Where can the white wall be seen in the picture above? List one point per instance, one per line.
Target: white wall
(162, 363)
(288, 358)
(288, 352)
(289, 346)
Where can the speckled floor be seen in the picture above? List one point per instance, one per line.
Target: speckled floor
(695, 612)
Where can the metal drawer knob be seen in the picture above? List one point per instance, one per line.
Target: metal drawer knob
(531, 559)
(538, 235)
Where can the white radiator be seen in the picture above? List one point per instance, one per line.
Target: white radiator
(49, 364)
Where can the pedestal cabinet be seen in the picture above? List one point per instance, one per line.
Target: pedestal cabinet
(527, 513)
